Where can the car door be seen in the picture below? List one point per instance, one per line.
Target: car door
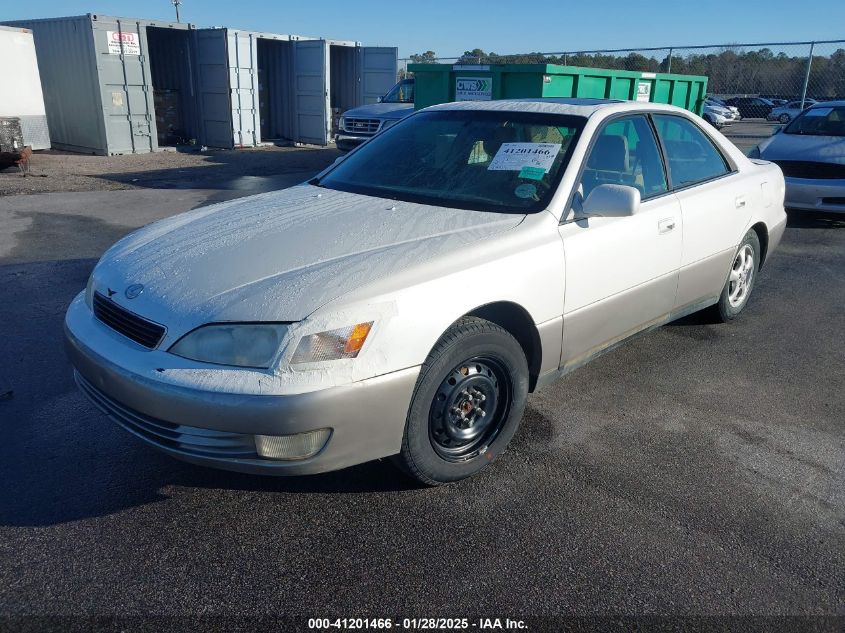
(715, 207)
(621, 273)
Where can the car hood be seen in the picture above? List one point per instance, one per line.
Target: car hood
(825, 149)
(381, 111)
(279, 256)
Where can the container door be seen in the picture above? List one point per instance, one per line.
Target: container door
(213, 88)
(227, 87)
(378, 67)
(126, 86)
(243, 80)
(311, 92)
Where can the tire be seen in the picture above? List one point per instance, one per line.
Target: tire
(784, 118)
(741, 279)
(467, 404)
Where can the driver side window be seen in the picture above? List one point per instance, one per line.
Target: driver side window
(625, 153)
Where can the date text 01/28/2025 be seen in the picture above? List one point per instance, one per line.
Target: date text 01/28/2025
(415, 624)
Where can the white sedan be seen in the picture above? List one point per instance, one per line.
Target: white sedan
(405, 302)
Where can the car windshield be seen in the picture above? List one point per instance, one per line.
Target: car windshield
(403, 92)
(819, 121)
(469, 159)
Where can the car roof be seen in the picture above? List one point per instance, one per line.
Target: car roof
(553, 105)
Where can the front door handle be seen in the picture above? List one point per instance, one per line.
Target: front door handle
(740, 202)
(666, 225)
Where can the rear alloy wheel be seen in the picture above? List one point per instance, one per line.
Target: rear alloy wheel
(741, 278)
(467, 404)
(784, 118)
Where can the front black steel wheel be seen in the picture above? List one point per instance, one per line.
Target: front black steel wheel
(470, 407)
(467, 403)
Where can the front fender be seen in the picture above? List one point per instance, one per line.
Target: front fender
(524, 266)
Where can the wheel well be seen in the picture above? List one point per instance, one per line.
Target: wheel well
(763, 236)
(516, 320)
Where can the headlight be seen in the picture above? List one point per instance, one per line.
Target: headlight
(238, 344)
(345, 342)
(341, 123)
(388, 123)
(755, 152)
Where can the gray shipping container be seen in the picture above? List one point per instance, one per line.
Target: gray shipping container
(261, 87)
(98, 74)
(126, 85)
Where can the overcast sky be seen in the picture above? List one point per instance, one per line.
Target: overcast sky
(502, 26)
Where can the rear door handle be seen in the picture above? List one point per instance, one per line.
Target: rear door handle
(740, 202)
(666, 225)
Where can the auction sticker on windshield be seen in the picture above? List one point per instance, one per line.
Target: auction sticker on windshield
(515, 156)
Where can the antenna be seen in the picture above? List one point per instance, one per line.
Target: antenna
(176, 4)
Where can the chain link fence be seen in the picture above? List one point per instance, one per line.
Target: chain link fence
(761, 80)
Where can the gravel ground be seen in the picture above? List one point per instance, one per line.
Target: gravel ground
(253, 170)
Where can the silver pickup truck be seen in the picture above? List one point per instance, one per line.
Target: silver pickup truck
(360, 124)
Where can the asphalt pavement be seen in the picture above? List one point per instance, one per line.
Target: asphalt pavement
(699, 469)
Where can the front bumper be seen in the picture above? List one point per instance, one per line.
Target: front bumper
(217, 429)
(347, 142)
(808, 194)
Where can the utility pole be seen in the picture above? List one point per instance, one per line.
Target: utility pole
(176, 4)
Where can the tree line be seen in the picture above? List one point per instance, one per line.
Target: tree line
(730, 70)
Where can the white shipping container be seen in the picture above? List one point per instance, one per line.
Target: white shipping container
(20, 86)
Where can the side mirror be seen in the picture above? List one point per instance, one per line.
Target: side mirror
(380, 99)
(612, 201)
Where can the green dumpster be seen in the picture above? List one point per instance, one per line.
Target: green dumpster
(441, 83)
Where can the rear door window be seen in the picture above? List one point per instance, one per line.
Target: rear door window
(690, 154)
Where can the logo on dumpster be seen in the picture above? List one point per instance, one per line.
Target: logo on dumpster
(473, 89)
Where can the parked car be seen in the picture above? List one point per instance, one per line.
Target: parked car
(710, 100)
(406, 300)
(362, 123)
(811, 153)
(785, 113)
(716, 115)
(752, 107)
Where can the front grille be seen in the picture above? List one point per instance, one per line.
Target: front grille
(361, 126)
(132, 326)
(811, 169)
(185, 439)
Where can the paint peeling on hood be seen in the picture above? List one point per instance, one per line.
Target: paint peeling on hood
(279, 256)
